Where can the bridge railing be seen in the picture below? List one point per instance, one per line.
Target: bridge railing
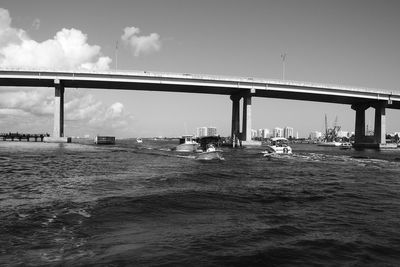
(256, 80)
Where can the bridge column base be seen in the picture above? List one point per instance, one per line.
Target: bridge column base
(378, 140)
(361, 146)
(57, 139)
(251, 143)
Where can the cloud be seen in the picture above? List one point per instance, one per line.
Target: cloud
(37, 102)
(141, 44)
(113, 116)
(36, 24)
(84, 107)
(67, 50)
(9, 35)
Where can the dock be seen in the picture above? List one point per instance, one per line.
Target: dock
(23, 136)
(104, 140)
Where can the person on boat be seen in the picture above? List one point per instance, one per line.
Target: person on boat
(210, 148)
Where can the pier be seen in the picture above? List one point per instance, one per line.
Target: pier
(22, 136)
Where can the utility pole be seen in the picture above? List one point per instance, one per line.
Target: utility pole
(283, 56)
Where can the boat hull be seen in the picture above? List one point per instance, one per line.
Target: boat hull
(210, 155)
(346, 146)
(329, 144)
(287, 150)
(187, 148)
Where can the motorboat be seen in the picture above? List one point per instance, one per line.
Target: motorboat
(346, 145)
(187, 144)
(210, 154)
(279, 145)
(139, 140)
(330, 144)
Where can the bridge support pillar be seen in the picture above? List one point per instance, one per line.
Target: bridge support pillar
(245, 136)
(380, 123)
(360, 122)
(378, 140)
(235, 119)
(58, 130)
(246, 125)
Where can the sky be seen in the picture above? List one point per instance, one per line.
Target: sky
(343, 42)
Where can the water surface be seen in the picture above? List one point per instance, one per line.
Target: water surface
(144, 205)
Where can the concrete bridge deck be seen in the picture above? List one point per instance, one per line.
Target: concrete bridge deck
(198, 83)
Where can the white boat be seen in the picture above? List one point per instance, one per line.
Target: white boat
(330, 144)
(139, 140)
(279, 145)
(210, 154)
(187, 144)
(346, 145)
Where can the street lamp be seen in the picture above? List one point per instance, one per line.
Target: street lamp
(283, 56)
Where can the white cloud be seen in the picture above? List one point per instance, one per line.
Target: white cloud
(141, 44)
(113, 116)
(13, 112)
(37, 102)
(36, 24)
(8, 35)
(67, 50)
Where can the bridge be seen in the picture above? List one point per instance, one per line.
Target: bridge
(236, 88)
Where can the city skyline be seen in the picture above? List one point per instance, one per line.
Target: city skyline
(348, 43)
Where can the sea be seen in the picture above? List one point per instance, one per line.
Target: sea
(130, 204)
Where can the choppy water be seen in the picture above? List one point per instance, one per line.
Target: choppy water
(143, 205)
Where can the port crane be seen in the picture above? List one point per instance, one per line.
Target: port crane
(331, 134)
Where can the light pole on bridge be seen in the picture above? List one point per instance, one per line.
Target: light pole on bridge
(283, 56)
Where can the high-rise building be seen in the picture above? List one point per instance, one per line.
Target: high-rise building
(288, 132)
(264, 133)
(343, 134)
(254, 133)
(315, 135)
(211, 131)
(206, 131)
(277, 132)
(201, 131)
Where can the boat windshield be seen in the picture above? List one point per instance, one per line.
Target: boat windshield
(188, 138)
(280, 142)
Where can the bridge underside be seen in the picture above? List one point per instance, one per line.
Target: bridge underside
(275, 92)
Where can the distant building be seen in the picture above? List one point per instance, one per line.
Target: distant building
(263, 133)
(315, 135)
(277, 132)
(343, 134)
(212, 131)
(206, 131)
(254, 134)
(201, 131)
(288, 132)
